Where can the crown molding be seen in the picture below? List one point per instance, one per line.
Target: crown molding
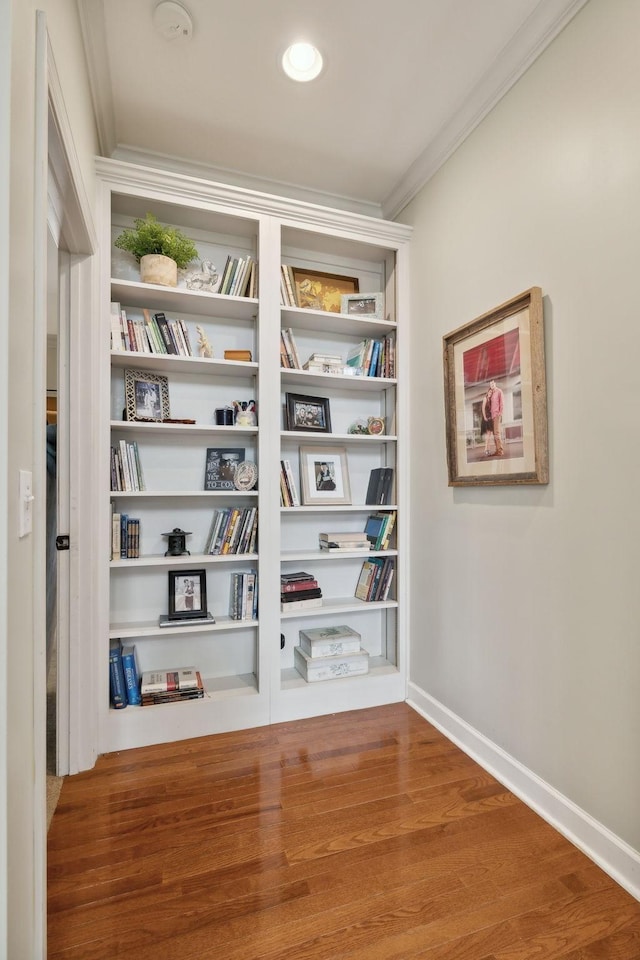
(544, 24)
(91, 14)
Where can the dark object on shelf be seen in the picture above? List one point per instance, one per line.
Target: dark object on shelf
(177, 542)
(380, 483)
(220, 467)
(224, 416)
(307, 413)
(187, 595)
(282, 641)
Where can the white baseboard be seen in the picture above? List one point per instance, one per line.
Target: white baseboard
(620, 861)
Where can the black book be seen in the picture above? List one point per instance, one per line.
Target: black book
(380, 483)
(163, 327)
(296, 577)
(301, 595)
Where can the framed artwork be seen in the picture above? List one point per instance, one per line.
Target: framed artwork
(311, 414)
(369, 306)
(146, 396)
(495, 396)
(187, 594)
(322, 291)
(221, 467)
(324, 475)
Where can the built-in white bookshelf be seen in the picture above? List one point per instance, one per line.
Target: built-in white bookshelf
(249, 679)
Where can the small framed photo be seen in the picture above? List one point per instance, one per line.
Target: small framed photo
(311, 414)
(324, 475)
(322, 291)
(495, 396)
(146, 396)
(187, 594)
(221, 467)
(369, 306)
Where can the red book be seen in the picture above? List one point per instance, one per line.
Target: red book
(298, 585)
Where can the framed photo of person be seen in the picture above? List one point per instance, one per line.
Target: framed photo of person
(324, 475)
(495, 396)
(187, 594)
(146, 396)
(221, 466)
(310, 414)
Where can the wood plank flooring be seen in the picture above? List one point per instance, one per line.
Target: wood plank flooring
(358, 836)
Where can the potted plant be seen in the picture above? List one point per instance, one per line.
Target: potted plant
(159, 250)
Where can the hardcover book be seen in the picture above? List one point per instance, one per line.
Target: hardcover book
(380, 483)
(117, 688)
(131, 675)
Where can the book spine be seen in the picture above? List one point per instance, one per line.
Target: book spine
(124, 523)
(118, 692)
(295, 499)
(301, 585)
(163, 325)
(131, 677)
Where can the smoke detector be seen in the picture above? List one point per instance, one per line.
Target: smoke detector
(172, 21)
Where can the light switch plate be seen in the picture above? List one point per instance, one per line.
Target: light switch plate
(25, 503)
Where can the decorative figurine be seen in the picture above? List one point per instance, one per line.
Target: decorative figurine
(246, 415)
(176, 544)
(204, 347)
(246, 475)
(206, 279)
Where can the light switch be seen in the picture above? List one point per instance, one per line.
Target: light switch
(25, 503)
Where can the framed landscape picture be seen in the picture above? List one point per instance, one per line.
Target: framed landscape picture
(322, 291)
(324, 475)
(495, 396)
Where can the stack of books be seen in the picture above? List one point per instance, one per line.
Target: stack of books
(298, 591)
(324, 363)
(170, 686)
(153, 334)
(375, 579)
(233, 530)
(352, 541)
(378, 529)
(329, 653)
(243, 598)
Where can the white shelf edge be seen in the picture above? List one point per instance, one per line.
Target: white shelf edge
(290, 679)
(341, 508)
(182, 561)
(313, 555)
(342, 380)
(219, 367)
(139, 494)
(134, 293)
(313, 437)
(339, 606)
(181, 428)
(150, 628)
(216, 689)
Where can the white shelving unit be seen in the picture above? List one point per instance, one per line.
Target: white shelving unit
(249, 679)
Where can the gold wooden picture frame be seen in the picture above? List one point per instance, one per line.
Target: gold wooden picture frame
(495, 396)
(322, 291)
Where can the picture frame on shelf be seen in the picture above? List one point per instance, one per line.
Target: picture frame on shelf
(495, 365)
(146, 396)
(369, 306)
(324, 475)
(187, 594)
(316, 290)
(221, 466)
(310, 414)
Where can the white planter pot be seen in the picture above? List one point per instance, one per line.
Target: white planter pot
(154, 268)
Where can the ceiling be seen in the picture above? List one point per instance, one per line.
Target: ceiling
(404, 83)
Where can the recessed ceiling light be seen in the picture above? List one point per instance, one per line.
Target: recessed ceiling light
(302, 61)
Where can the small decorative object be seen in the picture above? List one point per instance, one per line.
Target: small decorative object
(177, 542)
(206, 279)
(324, 475)
(224, 416)
(375, 426)
(322, 291)
(369, 306)
(204, 347)
(359, 427)
(146, 396)
(311, 414)
(243, 355)
(246, 475)
(151, 239)
(220, 467)
(495, 396)
(245, 413)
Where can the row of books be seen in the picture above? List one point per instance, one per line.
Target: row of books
(374, 358)
(125, 537)
(378, 529)
(153, 334)
(233, 530)
(243, 599)
(124, 679)
(126, 468)
(289, 357)
(170, 686)
(299, 590)
(374, 582)
(288, 490)
(329, 653)
(288, 294)
(239, 277)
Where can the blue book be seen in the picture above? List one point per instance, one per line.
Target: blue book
(124, 527)
(117, 687)
(131, 676)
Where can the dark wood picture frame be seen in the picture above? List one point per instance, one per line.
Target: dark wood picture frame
(496, 364)
(187, 594)
(308, 414)
(316, 290)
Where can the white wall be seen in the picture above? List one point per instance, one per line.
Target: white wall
(526, 604)
(24, 909)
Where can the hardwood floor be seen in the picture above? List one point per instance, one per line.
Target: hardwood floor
(358, 836)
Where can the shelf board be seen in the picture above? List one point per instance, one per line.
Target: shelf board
(302, 378)
(302, 319)
(341, 508)
(184, 561)
(154, 361)
(336, 606)
(215, 688)
(378, 666)
(150, 628)
(312, 555)
(185, 429)
(313, 437)
(183, 494)
(132, 293)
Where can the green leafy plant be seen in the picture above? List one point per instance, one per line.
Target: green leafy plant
(150, 236)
